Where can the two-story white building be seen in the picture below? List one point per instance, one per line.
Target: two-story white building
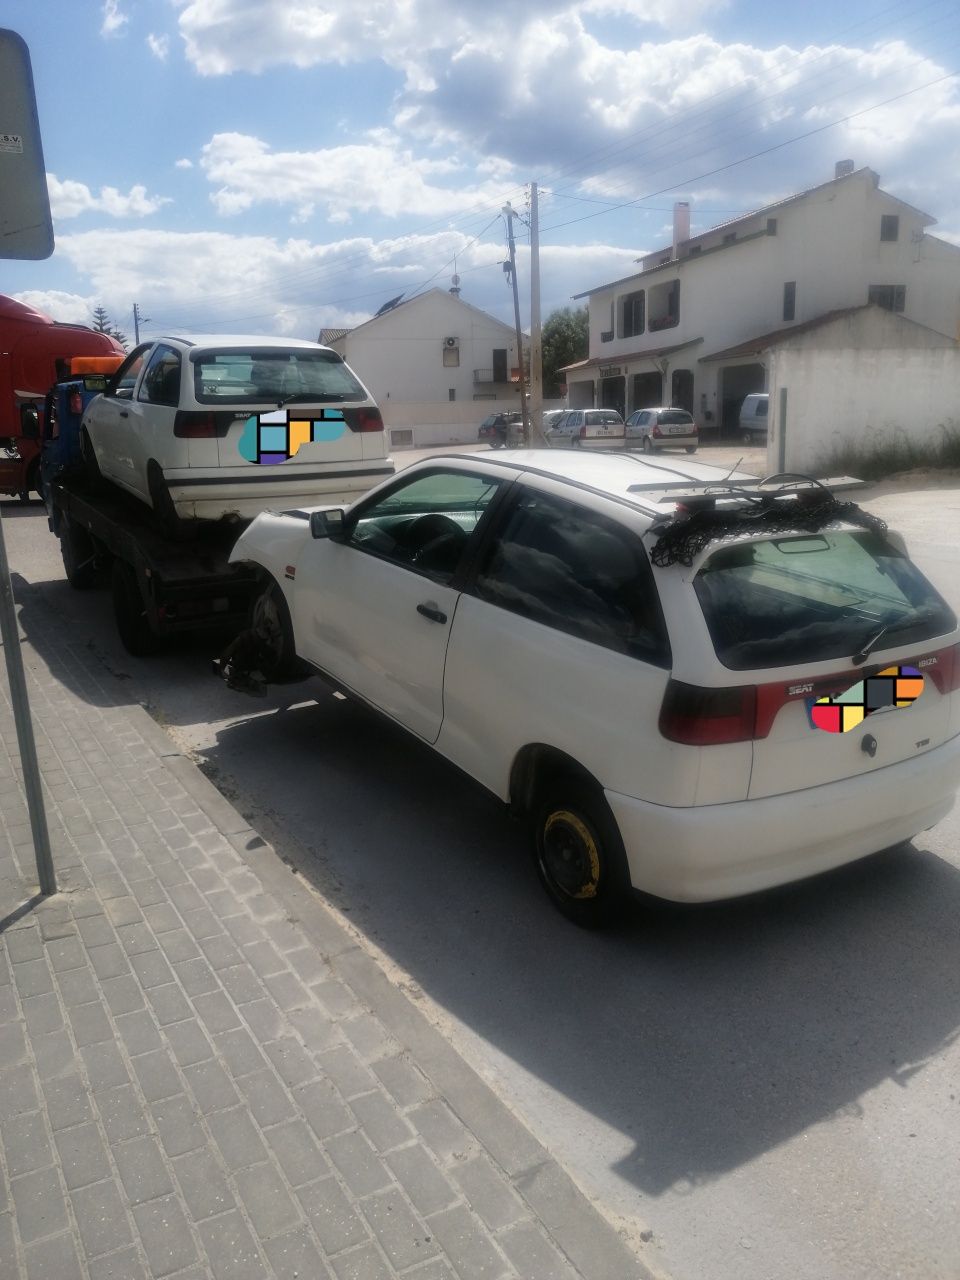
(428, 361)
(664, 335)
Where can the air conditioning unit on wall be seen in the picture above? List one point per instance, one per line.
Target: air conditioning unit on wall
(451, 342)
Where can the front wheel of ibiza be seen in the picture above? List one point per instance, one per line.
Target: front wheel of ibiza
(579, 854)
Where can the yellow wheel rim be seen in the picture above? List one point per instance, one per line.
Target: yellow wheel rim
(570, 857)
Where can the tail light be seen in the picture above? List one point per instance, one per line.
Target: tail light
(702, 717)
(583, 433)
(943, 668)
(76, 402)
(656, 432)
(202, 424)
(365, 419)
(192, 425)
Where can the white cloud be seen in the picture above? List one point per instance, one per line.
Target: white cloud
(113, 20)
(68, 308)
(69, 199)
(159, 46)
(243, 283)
(340, 180)
(183, 164)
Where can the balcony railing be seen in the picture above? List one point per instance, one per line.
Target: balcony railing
(662, 322)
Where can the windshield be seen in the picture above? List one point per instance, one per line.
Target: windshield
(252, 376)
(808, 599)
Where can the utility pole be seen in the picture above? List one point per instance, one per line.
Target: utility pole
(536, 348)
(138, 319)
(510, 213)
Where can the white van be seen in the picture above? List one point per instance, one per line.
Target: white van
(753, 418)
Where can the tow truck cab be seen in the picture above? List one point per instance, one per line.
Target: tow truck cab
(34, 351)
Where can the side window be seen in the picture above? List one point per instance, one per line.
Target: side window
(425, 523)
(123, 381)
(572, 569)
(161, 382)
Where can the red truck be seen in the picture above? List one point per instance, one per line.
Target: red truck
(31, 347)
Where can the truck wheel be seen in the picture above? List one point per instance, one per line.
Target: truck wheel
(270, 623)
(33, 483)
(77, 551)
(133, 625)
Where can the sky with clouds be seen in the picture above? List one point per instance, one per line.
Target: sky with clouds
(275, 166)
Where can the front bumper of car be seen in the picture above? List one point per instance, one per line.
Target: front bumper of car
(709, 852)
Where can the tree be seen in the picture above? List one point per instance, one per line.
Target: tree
(103, 324)
(565, 338)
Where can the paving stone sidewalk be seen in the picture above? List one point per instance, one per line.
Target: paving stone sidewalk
(202, 1074)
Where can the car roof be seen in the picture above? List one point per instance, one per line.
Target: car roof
(624, 476)
(231, 340)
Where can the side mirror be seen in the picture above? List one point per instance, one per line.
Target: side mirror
(29, 423)
(327, 524)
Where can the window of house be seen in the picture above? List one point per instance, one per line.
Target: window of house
(576, 571)
(451, 357)
(695, 249)
(889, 226)
(606, 335)
(892, 297)
(789, 299)
(452, 393)
(771, 226)
(632, 314)
(499, 364)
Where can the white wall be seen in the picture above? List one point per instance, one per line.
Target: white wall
(840, 396)
(399, 356)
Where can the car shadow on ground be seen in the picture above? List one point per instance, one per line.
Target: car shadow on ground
(707, 1035)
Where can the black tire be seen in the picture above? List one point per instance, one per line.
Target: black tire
(270, 622)
(579, 853)
(647, 445)
(496, 444)
(133, 625)
(746, 438)
(691, 448)
(77, 552)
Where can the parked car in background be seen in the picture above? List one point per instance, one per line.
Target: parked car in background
(587, 429)
(206, 427)
(644, 693)
(664, 428)
(499, 429)
(753, 418)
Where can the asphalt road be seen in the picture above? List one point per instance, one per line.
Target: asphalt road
(770, 1087)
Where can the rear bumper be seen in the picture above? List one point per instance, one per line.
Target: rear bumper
(719, 851)
(211, 497)
(665, 442)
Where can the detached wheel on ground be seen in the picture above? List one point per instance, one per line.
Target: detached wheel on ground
(77, 552)
(579, 853)
(129, 613)
(271, 625)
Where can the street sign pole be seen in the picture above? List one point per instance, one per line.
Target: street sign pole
(10, 635)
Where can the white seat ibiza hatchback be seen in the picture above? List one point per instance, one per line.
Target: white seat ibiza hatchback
(690, 684)
(205, 427)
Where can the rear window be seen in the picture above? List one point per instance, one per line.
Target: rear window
(675, 417)
(273, 374)
(810, 598)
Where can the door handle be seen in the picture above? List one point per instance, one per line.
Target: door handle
(124, 414)
(432, 612)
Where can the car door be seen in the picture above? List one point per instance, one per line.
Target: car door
(152, 418)
(373, 607)
(107, 418)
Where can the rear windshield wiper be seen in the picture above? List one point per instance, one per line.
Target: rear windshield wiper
(863, 653)
(313, 397)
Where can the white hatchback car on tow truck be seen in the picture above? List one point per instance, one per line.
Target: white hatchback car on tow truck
(690, 684)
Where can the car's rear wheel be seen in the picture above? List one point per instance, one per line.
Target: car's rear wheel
(746, 437)
(496, 444)
(647, 445)
(129, 614)
(691, 448)
(579, 853)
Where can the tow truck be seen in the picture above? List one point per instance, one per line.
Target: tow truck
(159, 587)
